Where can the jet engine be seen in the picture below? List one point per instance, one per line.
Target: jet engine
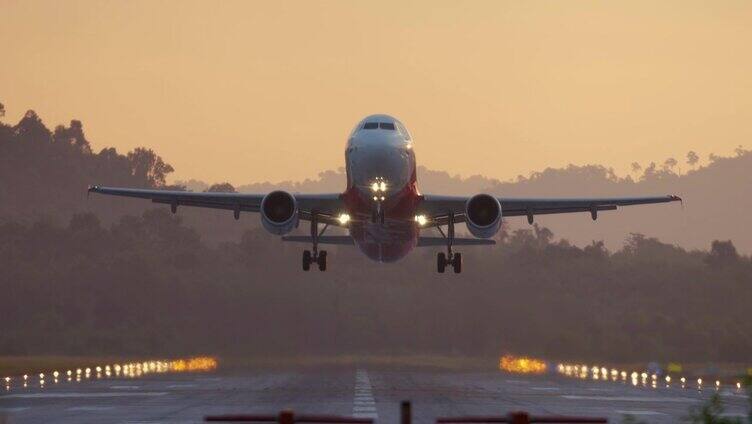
(483, 215)
(279, 212)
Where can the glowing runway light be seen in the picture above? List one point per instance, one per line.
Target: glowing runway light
(69, 373)
(78, 371)
(738, 385)
(668, 379)
(41, 376)
(522, 365)
(717, 384)
(25, 377)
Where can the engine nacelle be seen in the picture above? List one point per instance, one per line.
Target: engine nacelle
(483, 215)
(279, 212)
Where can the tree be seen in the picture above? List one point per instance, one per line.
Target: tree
(73, 136)
(636, 167)
(148, 166)
(31, 129)
(692, 158)
(2, 110)
(669, 164)
(722, 253)
(221, 188)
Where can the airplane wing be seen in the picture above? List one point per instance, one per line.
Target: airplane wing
(438, 206)
(328, 205)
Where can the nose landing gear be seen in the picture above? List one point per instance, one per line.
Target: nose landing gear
(319, 258)
(450, 258)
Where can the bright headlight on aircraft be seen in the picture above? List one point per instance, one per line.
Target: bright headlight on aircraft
(421, 220)
(343, 218)
(375, 187)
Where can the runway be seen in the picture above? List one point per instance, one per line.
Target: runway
(364, 391)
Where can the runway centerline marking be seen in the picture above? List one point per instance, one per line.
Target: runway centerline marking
(364, 405)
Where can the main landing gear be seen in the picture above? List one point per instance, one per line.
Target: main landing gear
(449, 258)
(319, 258)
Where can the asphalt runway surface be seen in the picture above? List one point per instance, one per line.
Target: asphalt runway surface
(361, 391)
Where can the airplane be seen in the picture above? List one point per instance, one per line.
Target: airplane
(381, 207)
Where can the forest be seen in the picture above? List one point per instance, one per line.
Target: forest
(127, 277)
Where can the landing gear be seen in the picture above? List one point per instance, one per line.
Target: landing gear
(450, 258)
(319, 258)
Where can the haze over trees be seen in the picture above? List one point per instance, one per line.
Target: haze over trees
(122, 276)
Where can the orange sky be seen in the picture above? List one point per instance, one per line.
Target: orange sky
(254, 91)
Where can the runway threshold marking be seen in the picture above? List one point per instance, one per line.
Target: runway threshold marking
(364, 405)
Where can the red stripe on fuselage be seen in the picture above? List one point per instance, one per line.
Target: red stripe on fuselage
(398, 235)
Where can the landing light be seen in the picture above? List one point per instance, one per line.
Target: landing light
(343, 218)
(421, 220)
(375, 187)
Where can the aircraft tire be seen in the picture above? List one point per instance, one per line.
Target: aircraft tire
(457, 263)
(440, 262)
(306, 260)
(322, 260)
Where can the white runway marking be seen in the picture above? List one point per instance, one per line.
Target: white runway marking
(548, 389)
(125, 387)
(15, 409)
(364, 405)
(79, 395)
(629, 399)
(90, 408)
(180, 386)
(640, 412)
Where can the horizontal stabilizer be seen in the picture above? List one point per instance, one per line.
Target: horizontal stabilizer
(422, 241)
(441, 241)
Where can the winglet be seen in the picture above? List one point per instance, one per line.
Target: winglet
(90, 189)
(675, 198)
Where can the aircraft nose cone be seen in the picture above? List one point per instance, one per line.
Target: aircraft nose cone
(381, 163)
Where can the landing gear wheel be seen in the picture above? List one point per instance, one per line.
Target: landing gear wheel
(457, 262)
(306, 260)
(441, 262)
(322, 260)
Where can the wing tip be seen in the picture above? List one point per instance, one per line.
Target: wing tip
(92, 188)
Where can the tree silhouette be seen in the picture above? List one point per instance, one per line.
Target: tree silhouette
(221, 188)
(692, 158)
(722, 253)
(147, 166)
(669, 164)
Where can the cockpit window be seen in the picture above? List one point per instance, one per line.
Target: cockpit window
(386, 126)
(403, 130)
(370, 125)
